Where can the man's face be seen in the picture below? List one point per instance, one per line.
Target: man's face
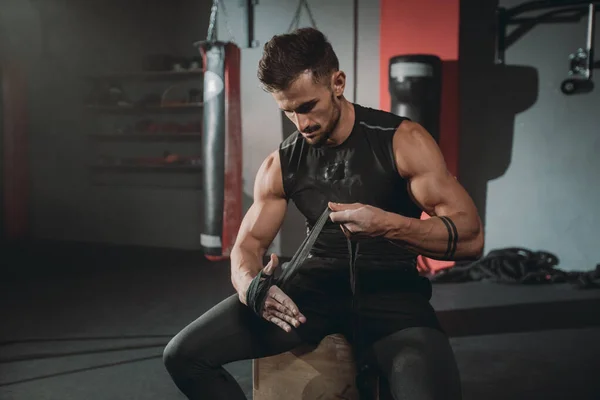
(312, 107)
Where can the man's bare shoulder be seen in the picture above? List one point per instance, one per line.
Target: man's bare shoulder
(410, 133)
(415, 150)
(269, 182)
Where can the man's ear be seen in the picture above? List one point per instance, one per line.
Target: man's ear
(338, 83)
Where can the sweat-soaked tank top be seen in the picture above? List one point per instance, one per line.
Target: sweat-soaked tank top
(362, 169)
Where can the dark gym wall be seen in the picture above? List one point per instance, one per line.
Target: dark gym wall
(61, 42)
(529, 154)
(4, 47)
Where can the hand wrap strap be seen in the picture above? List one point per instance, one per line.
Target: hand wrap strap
(303, 251)
(259, 287)
(257, 292)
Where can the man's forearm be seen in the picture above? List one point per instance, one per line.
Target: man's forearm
(245, 265)
(452, 237)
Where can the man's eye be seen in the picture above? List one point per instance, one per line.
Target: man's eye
(305, 108)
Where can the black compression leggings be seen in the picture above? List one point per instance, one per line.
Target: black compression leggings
(418, 362)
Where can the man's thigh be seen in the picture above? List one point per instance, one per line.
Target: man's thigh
(230, 331)
(418, 364)
(325, 306)
(379, 315)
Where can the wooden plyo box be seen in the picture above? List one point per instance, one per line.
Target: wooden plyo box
(326, 372)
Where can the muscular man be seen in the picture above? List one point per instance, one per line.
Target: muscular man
(377, 172)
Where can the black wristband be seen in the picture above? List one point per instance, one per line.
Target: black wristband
(257, 292)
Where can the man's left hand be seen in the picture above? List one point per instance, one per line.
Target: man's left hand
(358, 219)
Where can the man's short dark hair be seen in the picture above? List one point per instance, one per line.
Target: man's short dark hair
(285, 57)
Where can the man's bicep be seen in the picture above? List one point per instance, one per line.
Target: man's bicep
(439, 193)
(421, 163)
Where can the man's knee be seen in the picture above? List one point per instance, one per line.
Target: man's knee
(419, 364)
(410, 359)
(414, 375)
(409, 368)
(174, 358)
(181, 360)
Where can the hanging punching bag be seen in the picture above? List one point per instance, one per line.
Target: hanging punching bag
(415, 85)
(221, 149)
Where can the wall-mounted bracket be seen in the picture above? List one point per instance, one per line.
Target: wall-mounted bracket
(581, 62)
(250, 21)
(561, 11)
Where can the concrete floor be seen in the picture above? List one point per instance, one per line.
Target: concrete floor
(90, 322)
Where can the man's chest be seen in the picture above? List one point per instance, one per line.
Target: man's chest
(346, 177)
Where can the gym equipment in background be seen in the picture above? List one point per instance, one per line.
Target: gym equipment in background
(415, 86)
(221, 149)
(581, 62)
(221, 142)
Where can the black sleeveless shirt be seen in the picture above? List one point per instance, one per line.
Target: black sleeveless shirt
(362, 169)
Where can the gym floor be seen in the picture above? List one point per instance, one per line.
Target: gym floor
(90, 322)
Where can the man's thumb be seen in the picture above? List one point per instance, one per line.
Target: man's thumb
(273, 263)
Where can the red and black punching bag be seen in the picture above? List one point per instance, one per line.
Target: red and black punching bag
(221, 149)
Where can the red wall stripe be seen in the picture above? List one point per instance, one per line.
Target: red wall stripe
(416, 27)
(449, 120)
(425, 27)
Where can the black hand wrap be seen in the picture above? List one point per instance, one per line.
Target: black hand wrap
(257, 292)
(259, 287)
(303, 251)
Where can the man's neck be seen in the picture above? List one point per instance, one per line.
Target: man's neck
(344, 126)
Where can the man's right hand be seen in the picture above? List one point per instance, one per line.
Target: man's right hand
(279, 308)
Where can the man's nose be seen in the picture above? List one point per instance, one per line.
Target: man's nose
(303, 122)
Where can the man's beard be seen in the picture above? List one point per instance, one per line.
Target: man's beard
(322, 139)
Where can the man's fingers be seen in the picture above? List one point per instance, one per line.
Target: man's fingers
(277, 294)
(335, 206)
(285, 317)
(341, 207)
(282, 298)
(346, 231)
(282, 324)
(271, 304)
(352, 231)
(280, 311)
(341, 217)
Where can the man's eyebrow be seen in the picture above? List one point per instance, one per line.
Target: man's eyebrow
(305, 104)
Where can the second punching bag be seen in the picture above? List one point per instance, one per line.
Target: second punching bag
(415, 86)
